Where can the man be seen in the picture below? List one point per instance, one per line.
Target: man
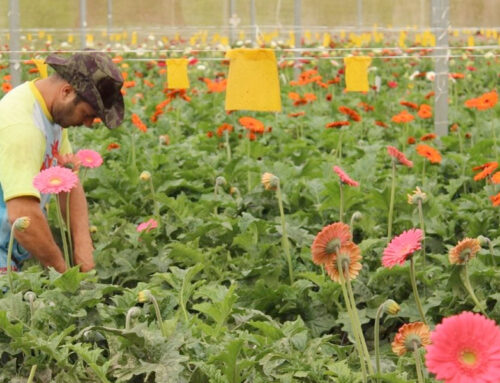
(33, 118)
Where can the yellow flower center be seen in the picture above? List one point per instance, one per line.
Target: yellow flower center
(55, 181)
(468, 357)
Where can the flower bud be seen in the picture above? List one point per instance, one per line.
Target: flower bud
(418, 195)
(270, 181)
(22, 223)
(357, 215)
(29, 296)
(164, 139)
(483, 241)
(391, 307)
(93, 229)
(143, 296)
(133, 312)
(145, 176)
(220, 181)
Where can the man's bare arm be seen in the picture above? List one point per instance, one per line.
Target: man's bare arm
(37, 239)
(80, 233)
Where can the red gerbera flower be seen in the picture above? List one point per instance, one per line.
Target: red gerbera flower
(401, 247)
(344, 178)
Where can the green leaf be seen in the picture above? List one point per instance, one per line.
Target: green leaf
(70, 280)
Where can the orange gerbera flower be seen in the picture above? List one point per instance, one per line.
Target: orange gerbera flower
(222, 128)
(495, 178)
(297, 114)
(353, 115)
(430, 153)
(310, 97)
(425, 111)
(428, 137)
(136, 120)
(411, 140)
(6, 87)
(217, 86)
(350, 254)
(487, 100)
(454, 127)
(382, 124)
(486, 170)
(366, 107)
(495, 199)
(409, 104)
(113, 146)
(337, 124)
(294, 96)
(409, 335)
(466, 249)
(429, 95)
(403, 117)
(329, 241)
(128, 84)
(252, 124)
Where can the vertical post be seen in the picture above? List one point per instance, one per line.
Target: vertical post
(232, 13)
(83, 24)
(297, 13)
(14, 43)
(440, 24)
(360, 13)
(298, 33)
(110, 19)
(253, 21)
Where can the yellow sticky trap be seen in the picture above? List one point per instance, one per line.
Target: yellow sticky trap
(177, 76)
(41, 66)
(252, 82)
(356, 73)
(470, 41)
(326, 40)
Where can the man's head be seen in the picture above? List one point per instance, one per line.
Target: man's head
(94, 89)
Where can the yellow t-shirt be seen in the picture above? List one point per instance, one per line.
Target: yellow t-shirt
(29, 140)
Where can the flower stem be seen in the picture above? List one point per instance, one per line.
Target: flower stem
(9, 259)
(358, 325)
(423, 173)
(228, 147)
(494, 137)
(284, 236)
(418, 362)
(341, 203)
(357, 342)
(421, 218)
(391, 203)
(339, 146)
(156, 210)
(415, 291)
(158, 315)
(470, 290)
(68, 226)
(32, 374)
(63, 235)
(248, 171)
(377, 337)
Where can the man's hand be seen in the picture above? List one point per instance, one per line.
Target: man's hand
(84, 258)
(37, 238)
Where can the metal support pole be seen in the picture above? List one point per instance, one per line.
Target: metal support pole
(297, 13)
(360, 13)
(232, 13)
(441, 23)
(110, 19)
(253, 21)
(83, 24)
(14, 43)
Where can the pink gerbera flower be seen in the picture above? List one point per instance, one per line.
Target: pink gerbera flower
(344, 177)
(394, 153)
(148, 225)
(465, 348)
(401, 247)
(55, 180)
(89, 158)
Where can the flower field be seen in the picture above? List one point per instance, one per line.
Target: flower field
(221, 238)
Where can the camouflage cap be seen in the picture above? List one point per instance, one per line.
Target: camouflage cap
(97, 80)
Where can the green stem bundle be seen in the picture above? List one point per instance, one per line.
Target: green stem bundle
(284, 236)
(391, 203)
(415, 291)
